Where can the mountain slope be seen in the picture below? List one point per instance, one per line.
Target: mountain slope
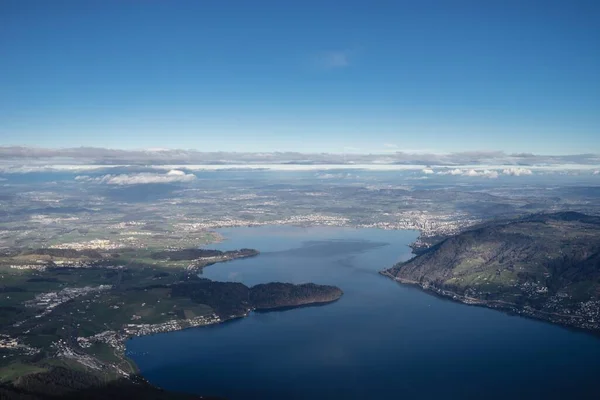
(544, 265)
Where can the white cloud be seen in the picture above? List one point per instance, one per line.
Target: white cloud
(455, 171)
(390, 145)
(471, 172)
(516, 171)
(427, 171)
(334, 59)
(486, 173)
(597, 172)
(173, 176)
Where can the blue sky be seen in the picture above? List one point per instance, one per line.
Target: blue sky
(312, 76)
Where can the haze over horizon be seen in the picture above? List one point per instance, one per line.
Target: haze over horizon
(164, 165)
(436, 77)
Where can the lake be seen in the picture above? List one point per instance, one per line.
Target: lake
(381, 340)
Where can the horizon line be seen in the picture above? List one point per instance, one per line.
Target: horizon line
(481, 152)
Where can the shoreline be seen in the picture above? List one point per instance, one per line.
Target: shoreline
(121, 353)
(197, 266)
(119, 346)
(306, 305)
(561, 320)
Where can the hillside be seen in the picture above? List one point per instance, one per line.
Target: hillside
(545, 266)
(274, 295)
(63, 328)
(63, 383)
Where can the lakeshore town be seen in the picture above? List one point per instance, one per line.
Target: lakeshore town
(185, 231)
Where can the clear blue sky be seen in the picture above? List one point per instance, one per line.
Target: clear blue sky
(312, 76)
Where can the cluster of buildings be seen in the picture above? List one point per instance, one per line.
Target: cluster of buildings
(6, 342)
(96, 244)
(46, 219)
(10, 343)
(533, 288)
(428, 224)
(60, 263)
(588, 312)
(558, 308)
(63, 350)
(309, 219)
(37, 267)
(168, 326)
(591, 310)
(127, 224)
(48, 301)
(225, 256)
(112, 338)
(116, 339)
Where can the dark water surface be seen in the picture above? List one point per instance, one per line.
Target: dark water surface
(381, 340)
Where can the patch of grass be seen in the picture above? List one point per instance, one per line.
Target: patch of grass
(15, 370)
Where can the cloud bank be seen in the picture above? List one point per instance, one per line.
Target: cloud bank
(173, 176)
(26, 156)
(487, 173)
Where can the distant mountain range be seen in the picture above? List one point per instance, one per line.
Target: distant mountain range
(545, 266)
